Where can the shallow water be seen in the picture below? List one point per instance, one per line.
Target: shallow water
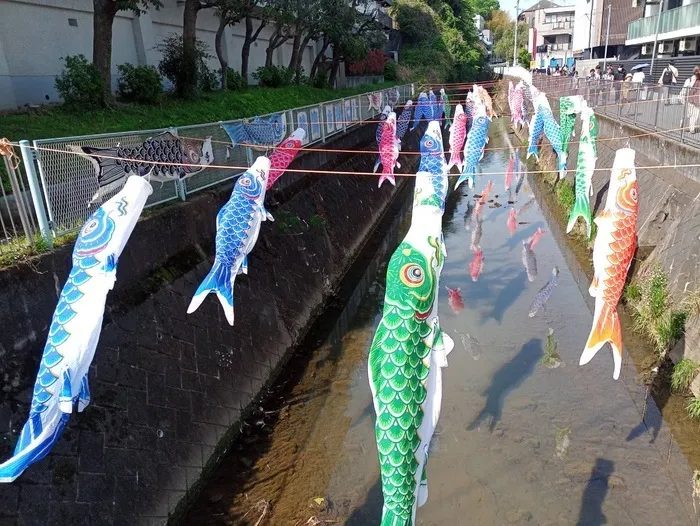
(517, 442)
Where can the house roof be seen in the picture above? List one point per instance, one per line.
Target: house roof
(542, 4)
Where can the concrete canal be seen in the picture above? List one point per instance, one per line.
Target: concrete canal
(523, 438)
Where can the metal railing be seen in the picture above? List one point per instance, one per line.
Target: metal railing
(18, 224)
(63, 185)
(652, 107)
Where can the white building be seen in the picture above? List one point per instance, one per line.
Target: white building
(587, 26)
(35, 35)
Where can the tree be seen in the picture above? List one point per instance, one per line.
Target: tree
(188, 89)
(102, 23)
(498, 23)
(250, 37)
(484, 7)
(524, 57)
(229, 12)
(503, 48)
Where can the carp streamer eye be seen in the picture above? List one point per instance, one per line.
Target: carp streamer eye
(91, 226)
(462, 116)
(244, 181)
(194, 156)
(429, 143)
(633, 193)
(412, 275)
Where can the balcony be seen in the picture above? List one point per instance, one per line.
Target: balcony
(557, 28)
(676, 23)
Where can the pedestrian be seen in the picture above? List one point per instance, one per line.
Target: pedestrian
(608, 82)
(694, 101)
(625, 91)
(619, 79)
(592, 80)
(669, 76)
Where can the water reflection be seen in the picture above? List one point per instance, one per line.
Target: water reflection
(591, 513)
(506, 380)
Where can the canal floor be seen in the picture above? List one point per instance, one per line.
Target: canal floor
(518, 441)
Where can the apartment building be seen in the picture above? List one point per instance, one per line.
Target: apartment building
(674, 24)
(551, 33)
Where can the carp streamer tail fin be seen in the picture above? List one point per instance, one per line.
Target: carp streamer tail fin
(220, 281)
(606, 329)
(36, 440)
(582, 208)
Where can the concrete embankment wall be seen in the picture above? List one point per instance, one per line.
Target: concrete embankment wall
(668, 225)
(168, 387)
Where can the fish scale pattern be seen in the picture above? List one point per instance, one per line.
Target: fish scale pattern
(166, 151)
(398, 362)
(234, 220)
(432, 160)
(474, 149)
(403, 121)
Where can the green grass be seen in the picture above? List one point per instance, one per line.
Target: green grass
(653, 313)
(18, 249)
(693, 408)
(60, 121)
(566, 196)
(683, 374)
(632, 293)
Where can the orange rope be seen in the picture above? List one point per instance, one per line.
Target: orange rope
(7, 150)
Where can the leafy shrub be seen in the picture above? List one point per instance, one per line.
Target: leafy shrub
(234, 80)
(80, 83)
(524, 58)
(207, 79)
(693, 408)
(140, 84)
(391, 70)
(320, 80)
(172, 65)
(416, 21)
(273, 76)
(373, 64)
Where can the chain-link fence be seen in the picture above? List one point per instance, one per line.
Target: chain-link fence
(17, 221)
(73, 182)
(665, 109)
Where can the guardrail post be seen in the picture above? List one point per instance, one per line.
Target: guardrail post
(345, 117)
(683, 115)
(19, 200)
(35, 190)
(180, 189)
(249, 155)
(322, 120)
(656, 107)
(636, 104)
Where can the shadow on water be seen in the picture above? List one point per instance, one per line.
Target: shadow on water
(370, 512)
(591, 513)
(653, 418)
(505, 299)
(508, 378)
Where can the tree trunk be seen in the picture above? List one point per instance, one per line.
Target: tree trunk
(317, 60)
(218, 45)
(334, 70)
(295, 49)
(300, 55)
(276, 40)
(102, 22)
(188, 89)
(250, 37)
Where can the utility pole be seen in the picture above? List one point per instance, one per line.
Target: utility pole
(590, 35)
(607, 34)
(656, 38)
(515, 33)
